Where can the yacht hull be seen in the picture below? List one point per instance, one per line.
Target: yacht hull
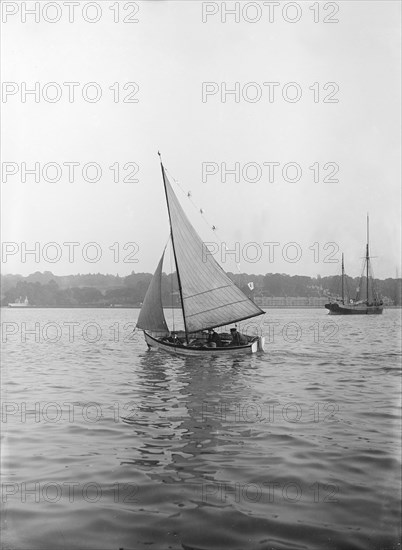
(155, 344)
(353, 309)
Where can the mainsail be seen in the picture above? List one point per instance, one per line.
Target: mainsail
(151, 315)
(209, 297)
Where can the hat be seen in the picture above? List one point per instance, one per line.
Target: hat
(233, 329)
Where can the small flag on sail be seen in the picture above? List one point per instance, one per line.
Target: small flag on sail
(251, 286)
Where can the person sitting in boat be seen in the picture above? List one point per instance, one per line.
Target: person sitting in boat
(214, 340)
(237, 338)
(173, 338)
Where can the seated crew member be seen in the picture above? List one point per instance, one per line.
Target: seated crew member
(237, 338)
(173, 338)
(214, 338)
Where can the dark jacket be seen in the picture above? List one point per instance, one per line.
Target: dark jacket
(238, 339)
(214, 337)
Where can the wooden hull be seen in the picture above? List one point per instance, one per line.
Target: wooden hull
(353, 309)
(156, 344)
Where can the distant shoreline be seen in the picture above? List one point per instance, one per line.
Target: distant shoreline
(176, 307)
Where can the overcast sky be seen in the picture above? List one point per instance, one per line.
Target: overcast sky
(169, 53)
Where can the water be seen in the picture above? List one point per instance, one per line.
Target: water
(108, 446)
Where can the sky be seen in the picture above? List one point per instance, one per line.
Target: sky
(285, 130)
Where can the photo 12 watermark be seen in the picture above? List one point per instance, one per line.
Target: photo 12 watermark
(53, 332)
(70, 251)
(69, 172)
(270, 12)
(270, 251)
(69, 92)
(270, 491)
(69, 12)
(250, 412)
(54, 412)
(270, 92)
(51, 492)
(269, 172)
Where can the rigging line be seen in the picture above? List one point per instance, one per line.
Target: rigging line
(199, 210)
(211, 227)
(167, 242)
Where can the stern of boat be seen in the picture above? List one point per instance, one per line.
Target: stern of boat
(261, 344)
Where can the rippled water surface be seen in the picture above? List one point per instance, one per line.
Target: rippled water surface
(108, 446)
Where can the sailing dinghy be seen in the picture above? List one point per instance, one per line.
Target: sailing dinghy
(208, 297)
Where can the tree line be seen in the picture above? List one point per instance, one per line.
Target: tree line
(99, 290)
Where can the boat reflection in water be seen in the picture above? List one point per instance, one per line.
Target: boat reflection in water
(194, 426)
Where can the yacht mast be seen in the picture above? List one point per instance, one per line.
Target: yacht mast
(367, 260)
(343, 276)
(174, 250)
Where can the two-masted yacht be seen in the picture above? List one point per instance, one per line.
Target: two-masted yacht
(367, 301)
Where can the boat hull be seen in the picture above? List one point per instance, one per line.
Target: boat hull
(353, 309)
(155, 344)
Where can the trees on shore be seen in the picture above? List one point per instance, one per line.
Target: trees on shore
(47, 290)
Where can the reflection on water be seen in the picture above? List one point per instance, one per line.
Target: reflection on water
(121, 448)
(186, 402)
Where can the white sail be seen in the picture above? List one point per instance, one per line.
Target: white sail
(209, 297)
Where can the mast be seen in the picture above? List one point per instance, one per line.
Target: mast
(174, 250)
(367, 260)
(343, 276)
